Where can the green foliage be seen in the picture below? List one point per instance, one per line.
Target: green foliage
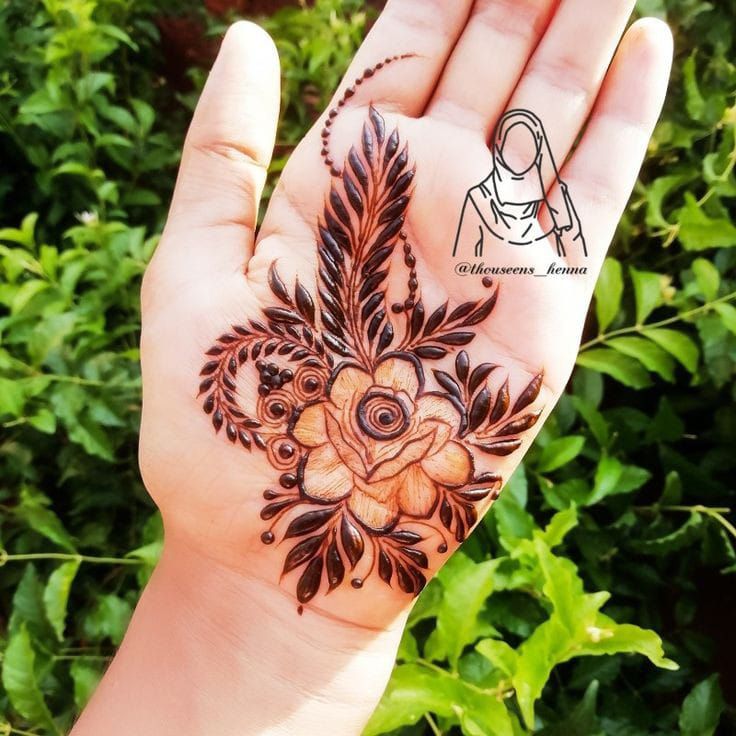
(616, 527)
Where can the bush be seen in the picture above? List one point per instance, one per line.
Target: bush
(626, 491)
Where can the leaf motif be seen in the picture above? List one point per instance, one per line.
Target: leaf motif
(333, 247)
(435, 319)
(416, 556)
(479, 375)
(430, 352)
(339, 209)
(518, 425)
(304, 302)
(375, 323)
(371, 284)
(417, 319)
(337, 232)
(335, 565)
(502, 447)
(277, 285)
(448, 383)
(385, 568)
(352, 541)
(395, 209)
(268, 512)
(305, 550)
(397, 167)
(353, 194)
(379, 125)
(529, 394)
(281, 314)
(337, 345)
(392, 145)
(483, 311)
(462, 366)
(377, 259)
(462, 311)
(406, 581)
(479, 409)
(367, 140)
(405, 536)
(358, 169)
(371, 305)
(502, 403)
(401, 185)
(387, 336)
(310, 580)
(446, 514)
(389, 232)
(308, 522)
(456, 338)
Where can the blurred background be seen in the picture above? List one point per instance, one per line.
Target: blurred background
(614, 539)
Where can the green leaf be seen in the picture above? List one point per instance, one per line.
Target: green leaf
(12, 397)
(86, 675)
(699, 231)
(612, 478)
(559, 452)
(582, 720)
(608, 292)
(678, 344)
(678, 539)
(108, 619)
(558, 527)
(512, 521)
(647, 292)
(624, 369)
(702, 709)
(467, 585)
(415, 690)
(19, 680)
(694, 102)
(500, 654)
(34, 510)
(651, 356)
(56, 595)
(707, 277)
(727, 313)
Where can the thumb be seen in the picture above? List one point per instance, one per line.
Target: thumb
(226, 155)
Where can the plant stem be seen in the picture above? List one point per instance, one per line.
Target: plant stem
(432, 725)
(69, 557)
(653, 325)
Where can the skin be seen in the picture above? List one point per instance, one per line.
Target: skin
(215, 645)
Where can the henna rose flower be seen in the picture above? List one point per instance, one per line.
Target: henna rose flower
(383, 445)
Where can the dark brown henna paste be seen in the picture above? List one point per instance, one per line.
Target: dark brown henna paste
(372, 468)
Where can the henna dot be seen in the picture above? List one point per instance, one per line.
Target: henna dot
(413, 284)
(300, 610)
(388, 60)
(369, 72)
(397, 308)
(287, 480)
(287, 375)
(408, 304)
(487, 281)
(329, 161)
(407, 248)
(328, 122)
(324, 152)
(349, 92)
(277, 409)
(286, 451)
(359, 80)
(335, 171)
(267, 537)
(325, 132)
(263, 390)
(333, 113)
(381, 64)
(442, 548)
(270, 494)
(311, 384)
(272, 369)
(276, 381)
(403, 235)
(341, 103)
(260, 365)
(410, 261)
(357, 583)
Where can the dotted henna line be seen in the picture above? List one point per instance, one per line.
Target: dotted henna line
(347, 94)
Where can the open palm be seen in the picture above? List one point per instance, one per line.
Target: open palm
(364, 385)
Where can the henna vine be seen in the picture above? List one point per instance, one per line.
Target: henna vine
(371, 463)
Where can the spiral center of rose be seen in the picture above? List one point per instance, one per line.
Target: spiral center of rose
(382, 416)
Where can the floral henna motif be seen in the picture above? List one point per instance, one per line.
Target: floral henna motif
(372, 466)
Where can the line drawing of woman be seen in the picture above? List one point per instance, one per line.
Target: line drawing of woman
(508, 204)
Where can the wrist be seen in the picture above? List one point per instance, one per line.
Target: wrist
(217, 650)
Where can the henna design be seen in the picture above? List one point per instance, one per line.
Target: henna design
(373, 466)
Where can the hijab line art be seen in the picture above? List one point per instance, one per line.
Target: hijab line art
(508, 204)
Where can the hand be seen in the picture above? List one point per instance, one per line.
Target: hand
(362, 396)
(365, 386)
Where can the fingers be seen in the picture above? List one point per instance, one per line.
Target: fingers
(427, 29)
(603, 170)
(488, 60)
(226, 153)
(564, 74)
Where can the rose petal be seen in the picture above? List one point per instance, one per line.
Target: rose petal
(418, 494)
(400, 374)
(378, 515)
(310, 429)
(438, 408)
(452, 465)
(347, 382)
(325, 476)
(346, 445)
(412, 450)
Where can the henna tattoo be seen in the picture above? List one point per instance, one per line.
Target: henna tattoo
(373, 467)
